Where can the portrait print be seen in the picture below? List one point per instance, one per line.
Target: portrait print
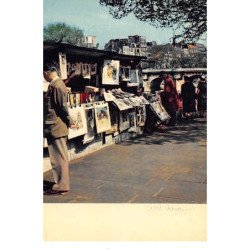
(110, 75)
(102, 117)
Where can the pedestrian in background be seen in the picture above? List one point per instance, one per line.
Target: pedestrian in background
(188, 98)
(202, 97)
(56, 124)
(169, 99)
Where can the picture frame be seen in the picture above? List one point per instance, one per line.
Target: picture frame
(78, 116)
(63, 66)
(102, 117)
(110, 72)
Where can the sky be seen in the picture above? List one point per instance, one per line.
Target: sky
(95, 20)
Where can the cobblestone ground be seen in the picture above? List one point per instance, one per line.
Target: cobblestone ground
(167, 167)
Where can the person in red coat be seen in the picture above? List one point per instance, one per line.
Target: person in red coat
(169, 99)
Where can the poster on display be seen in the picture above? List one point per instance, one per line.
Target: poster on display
(102, 117)
(143, 100)
(132, 122)
(141, 115)
(93, 69)
(90, 114)
(134, 80)
(125, 73)
(110, 74)
(114, 119)
(159, 110)
(63, 66)
(135, 101)
(85, 70)
(78, 68)
(128, 103)
(78, 116)
(121, 105)
(124, 121)
(108, 96)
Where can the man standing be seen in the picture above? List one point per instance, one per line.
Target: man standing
(56, 124)
(188, 96)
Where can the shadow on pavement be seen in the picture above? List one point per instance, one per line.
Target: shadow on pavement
(186, 132)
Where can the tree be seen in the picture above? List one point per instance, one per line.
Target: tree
(63, 33)
(189, 16)
(169, 56)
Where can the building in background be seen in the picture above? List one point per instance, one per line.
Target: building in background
(90, 42)
(133, 45)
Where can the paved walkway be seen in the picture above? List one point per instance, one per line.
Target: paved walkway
(165, 167)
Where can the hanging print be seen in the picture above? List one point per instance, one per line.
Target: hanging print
(90, 117)
(159, 110)
(110, 74)
(124, 121)
(102, 117)
(63, 66)
(134, 81)
(78, 116)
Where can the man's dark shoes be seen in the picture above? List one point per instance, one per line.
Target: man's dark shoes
(54, 192)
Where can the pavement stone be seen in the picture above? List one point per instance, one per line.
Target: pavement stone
(165, 167)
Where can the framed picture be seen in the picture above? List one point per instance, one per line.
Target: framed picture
(93, 69)
(135, 101)
(110, 74)
(85, 69)
(90, 117)
(141, 115)
(108, 96)
(128, 103)
(124, 120)
(143, 100)
(121, 105)
(63, 66)
(113, 119)
(102, 117)
(132, 122)
(134, 80)
(78, 116)
(125, 73)
(159, 110)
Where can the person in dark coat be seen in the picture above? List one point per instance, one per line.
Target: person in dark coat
(56, 124)
(202, 97)
(188, 97)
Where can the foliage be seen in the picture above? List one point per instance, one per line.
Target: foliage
(189, 16)
(169, 56)
(63, 33)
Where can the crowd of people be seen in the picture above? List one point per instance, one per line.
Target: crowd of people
(187, 103)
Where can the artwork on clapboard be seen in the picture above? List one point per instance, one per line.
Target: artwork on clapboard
(63, 66)
(90, 117)
(134, 79)
(93, 69)
(159, 110)
(132, 121)
(120, 104)
(108, 96)
(125, 73)
(124, 120)
(102, 117)
(141, 116)
(86, 68)
(78, 116)
(110, 74)
(113, 118)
